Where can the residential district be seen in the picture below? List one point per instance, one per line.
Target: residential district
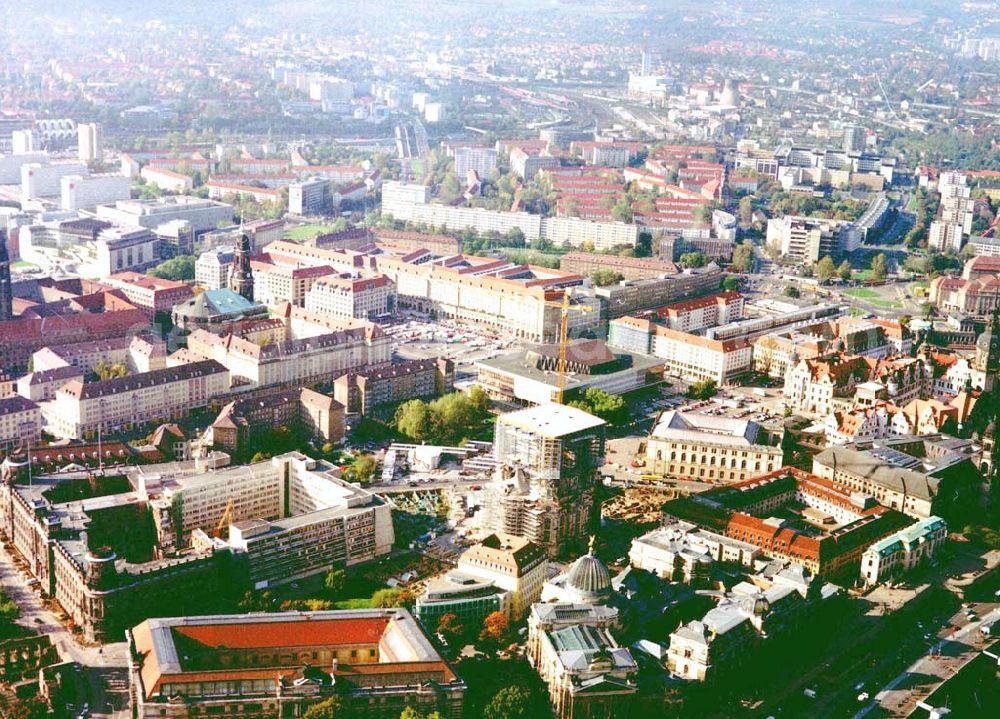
(514, 360)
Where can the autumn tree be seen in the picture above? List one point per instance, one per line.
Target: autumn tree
(825, 269)
(844, 271)
(878, 267)
(495, 631)
(329, 708)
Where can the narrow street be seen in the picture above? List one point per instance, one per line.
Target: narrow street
(105, 669)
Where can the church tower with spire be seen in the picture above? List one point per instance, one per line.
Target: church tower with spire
(6, 290)
(241, 276)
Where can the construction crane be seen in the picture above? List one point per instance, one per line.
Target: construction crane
(226, 518)
(564, 308)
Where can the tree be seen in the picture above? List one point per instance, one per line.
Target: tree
(411, 713)
(746, 211)
(449, 627)
(335, 580)
(29, 708)
(362, 469)
(825, 269)
(791, 291)
(743, 257)
(330, 708)
(731, 284)
(609, 407)
(495, 631)
(878, 267)
(622, 211)
(389, 598)
(703, 390)
(513, 702)
(844, 271)
(693, 259)
(176, 268)
(605, 276)
(413, 418)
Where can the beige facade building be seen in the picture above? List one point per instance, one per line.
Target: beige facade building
(511, 563)
(352, 298)
(704, 447)
(81, 408)
(300, 358)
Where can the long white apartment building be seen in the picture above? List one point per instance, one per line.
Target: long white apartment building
(411, 203)
(203, 214)
(80, 408)
(80, 191)
(39, 180)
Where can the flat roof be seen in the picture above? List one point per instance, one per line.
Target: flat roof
(552, 420)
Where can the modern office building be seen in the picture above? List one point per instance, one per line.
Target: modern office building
(481, 160)
(203, 214)
(84, 191)
(311, 197)
(531, 377)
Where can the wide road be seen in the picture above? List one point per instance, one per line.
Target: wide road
(944, 658)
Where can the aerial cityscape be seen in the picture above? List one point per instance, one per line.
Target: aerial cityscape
(499, 360)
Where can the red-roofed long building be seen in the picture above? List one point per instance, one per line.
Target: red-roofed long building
(377, 661)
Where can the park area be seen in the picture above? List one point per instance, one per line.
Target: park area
(874, 298)
(306, 232)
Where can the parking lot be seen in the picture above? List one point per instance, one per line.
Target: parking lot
(416, 337)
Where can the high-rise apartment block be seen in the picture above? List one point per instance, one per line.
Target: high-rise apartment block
(90, 143)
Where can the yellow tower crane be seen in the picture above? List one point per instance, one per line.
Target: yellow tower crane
(564, 308)
(226, 518)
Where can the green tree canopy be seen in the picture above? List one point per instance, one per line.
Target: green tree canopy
(605, 276)
(703, 390)
(693, 259)
(844, 271)
(791, 291)
(176, 268)
(513, 702)
(392, 597)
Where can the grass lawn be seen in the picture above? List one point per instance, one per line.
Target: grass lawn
(360, 603)
(22, 265)
(306, 232)
(862, 293)
(872, 297)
